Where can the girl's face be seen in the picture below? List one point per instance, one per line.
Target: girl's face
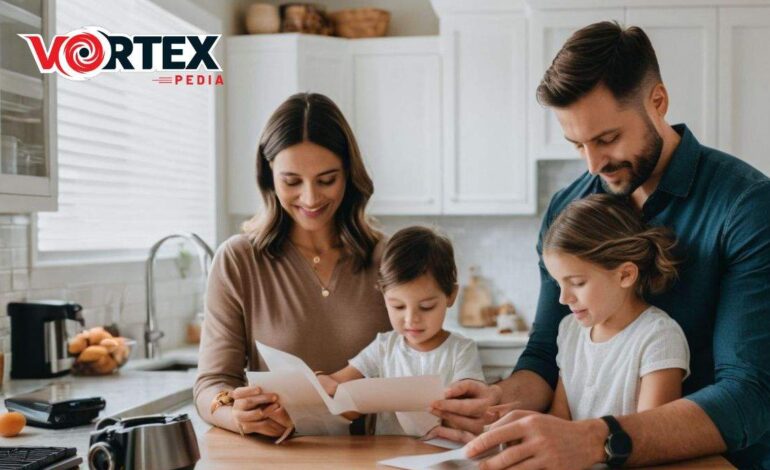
(310, 182)
(417, 309)
(593, 293)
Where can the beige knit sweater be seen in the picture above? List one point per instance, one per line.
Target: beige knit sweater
(279, 302)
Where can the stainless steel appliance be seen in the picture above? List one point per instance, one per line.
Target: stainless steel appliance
(39, 333)
(156, 442)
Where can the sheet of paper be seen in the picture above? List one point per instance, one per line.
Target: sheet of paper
(417, 423)
(444, 443)
(305, 407)
(363, 395)
(450, 459)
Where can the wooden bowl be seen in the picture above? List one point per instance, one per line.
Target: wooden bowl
(262, 18)
(360, 22)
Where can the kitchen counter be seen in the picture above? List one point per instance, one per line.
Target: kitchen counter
(488, 337)
(126, 393)
(222, 450)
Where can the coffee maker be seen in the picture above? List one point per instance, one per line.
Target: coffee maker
(39, 331)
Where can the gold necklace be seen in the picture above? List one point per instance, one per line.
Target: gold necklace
(316, 261)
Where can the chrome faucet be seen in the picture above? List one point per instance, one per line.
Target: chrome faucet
(205, 254)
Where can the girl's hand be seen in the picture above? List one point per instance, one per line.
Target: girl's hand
(328, 383)
(258, 412)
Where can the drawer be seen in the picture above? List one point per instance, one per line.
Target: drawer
(499, 357)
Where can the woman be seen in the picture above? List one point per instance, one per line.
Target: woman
(302, 276)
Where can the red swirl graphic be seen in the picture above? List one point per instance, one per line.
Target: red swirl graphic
(83, 62)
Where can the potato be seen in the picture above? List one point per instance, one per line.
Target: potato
(110, 344)
(77, 344)
(92, 354)
(11, 423)
(97, 334)
(104, 365)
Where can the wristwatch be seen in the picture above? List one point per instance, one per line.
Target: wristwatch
(618, 445)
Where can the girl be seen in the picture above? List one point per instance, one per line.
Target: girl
(418, 279)
(617, 353)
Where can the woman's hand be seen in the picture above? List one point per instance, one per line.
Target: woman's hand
(328, 383)
(258, 412)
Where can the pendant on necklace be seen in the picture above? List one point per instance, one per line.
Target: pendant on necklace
(316, 259)
(325, 292)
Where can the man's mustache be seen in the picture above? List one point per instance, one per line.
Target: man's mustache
(610, 167)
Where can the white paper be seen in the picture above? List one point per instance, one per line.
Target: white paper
(314, 412)
(443, 443)
(451, 459)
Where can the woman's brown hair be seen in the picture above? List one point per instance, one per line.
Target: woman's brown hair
(312, 117)
(607, 230)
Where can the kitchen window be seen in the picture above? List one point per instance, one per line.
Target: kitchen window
(136, 157)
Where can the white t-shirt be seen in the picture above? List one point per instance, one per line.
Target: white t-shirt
(389, 356)
(603, 378)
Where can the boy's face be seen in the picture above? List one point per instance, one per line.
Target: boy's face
(417, 309)
(592, 293)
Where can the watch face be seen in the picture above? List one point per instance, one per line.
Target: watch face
(620, 445)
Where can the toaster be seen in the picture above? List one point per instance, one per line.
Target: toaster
(155, 442)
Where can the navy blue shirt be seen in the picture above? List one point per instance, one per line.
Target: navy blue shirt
(719, 208)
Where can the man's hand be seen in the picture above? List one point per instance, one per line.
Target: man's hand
(466, 404)
(539, 441)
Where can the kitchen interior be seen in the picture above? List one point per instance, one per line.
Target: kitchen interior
(440, 94)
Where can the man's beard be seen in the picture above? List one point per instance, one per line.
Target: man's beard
(646, 162)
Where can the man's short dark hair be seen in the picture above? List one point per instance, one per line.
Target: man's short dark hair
(415, 251)
(602, 53)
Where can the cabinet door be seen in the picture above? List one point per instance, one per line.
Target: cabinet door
(744, 74)
(486, 165)
(261, 74)
(685, 42)
(397, 121)
(27, 112)
(548, 32)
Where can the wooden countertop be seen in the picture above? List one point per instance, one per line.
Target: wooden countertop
(223, 450)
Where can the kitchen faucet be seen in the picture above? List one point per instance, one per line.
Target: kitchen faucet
(205, 255)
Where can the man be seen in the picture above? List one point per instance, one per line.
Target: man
(605, 88)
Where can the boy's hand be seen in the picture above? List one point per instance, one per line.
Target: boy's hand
(466, 405)
(328, 383)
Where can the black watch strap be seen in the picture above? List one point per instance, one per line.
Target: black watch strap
(618, 446)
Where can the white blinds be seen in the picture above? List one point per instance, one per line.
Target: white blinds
(136, 157)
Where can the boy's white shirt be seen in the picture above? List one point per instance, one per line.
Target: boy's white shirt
(389, 356)
(604, 378)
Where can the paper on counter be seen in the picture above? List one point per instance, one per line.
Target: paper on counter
(454, 459)
(311, 408)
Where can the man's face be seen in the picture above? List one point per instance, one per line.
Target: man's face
(619, 143)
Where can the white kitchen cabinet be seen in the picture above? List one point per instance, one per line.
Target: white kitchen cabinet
(549, 29)
(487, 169)
(396, 117)
(262, 71)
(744, 74)
(28, 172)
(685, 42)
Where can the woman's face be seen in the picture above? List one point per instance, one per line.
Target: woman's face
(310, 182)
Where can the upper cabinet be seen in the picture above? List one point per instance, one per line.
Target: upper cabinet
(27, 112)
(486, 165)
(744, 74)
(396, 117)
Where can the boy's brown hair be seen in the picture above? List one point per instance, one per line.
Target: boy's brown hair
(415, 251)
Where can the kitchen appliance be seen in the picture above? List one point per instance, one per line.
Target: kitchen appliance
(56, 406)
(144, 442)
(39, 332)
(34, 458)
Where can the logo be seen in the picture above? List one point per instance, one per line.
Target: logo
(84, 53)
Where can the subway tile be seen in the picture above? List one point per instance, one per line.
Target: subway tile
(20, 257)
(6, 259)
(20, 279)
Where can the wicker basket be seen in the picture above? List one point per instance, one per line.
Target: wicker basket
(360, 22)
